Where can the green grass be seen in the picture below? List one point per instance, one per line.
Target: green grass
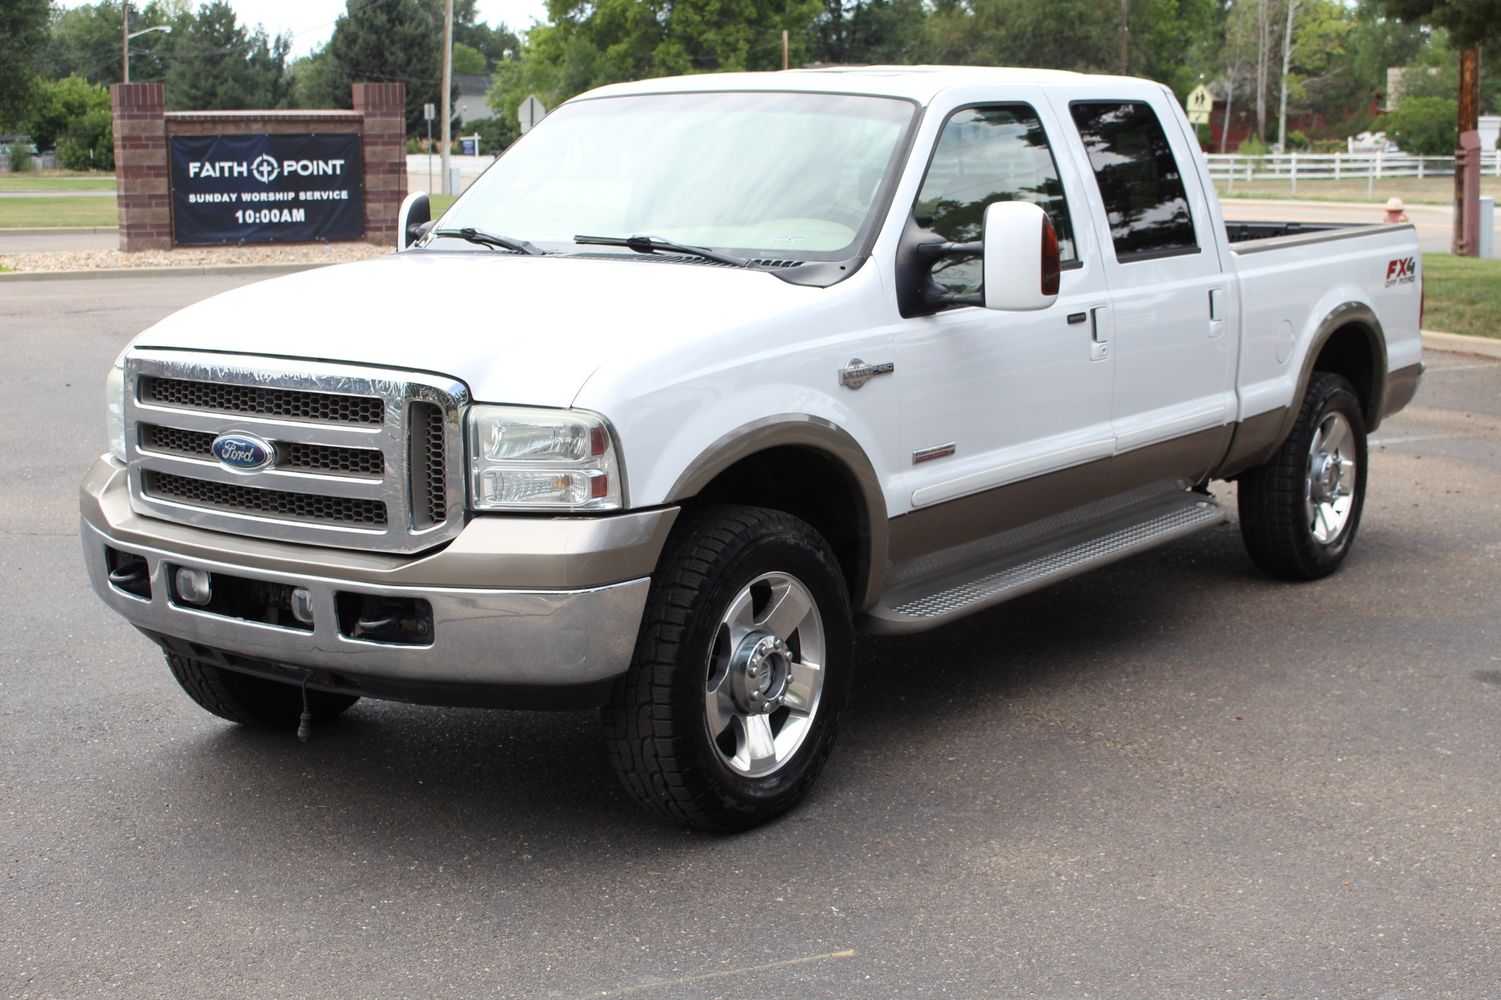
(19, 213)
(439, 203)
(1463, 294)
(57, 182)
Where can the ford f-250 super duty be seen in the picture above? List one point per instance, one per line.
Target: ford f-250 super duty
(766, 357)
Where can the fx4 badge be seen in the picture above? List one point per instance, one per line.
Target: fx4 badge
(857, 372)
(1403, 271)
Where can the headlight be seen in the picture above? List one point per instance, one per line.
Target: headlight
(114, 408)
(532, 459)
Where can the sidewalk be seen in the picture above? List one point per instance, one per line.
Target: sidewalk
(28, 241)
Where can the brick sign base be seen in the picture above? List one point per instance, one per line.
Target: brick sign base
(143, 177)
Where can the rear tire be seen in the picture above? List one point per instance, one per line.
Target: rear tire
(742, 666)
(250, 700)
(1299, 512)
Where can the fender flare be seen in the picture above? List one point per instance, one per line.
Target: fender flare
(1345, 314)
(802, 430)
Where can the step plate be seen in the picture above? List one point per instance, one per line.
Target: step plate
(929, 610)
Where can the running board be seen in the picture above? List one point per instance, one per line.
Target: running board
(981, 587)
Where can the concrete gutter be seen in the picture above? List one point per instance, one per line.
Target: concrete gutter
(1456, 343)
(162, 272)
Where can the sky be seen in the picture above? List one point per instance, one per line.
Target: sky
(311, 22)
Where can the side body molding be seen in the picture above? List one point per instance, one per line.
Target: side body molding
(801, 430)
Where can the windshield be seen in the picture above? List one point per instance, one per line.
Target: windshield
(762, 174)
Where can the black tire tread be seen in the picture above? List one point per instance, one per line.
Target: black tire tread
(1271, 495)
(251, 701)
(645, 747)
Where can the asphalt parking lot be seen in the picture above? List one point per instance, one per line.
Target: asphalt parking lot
(1171, 778)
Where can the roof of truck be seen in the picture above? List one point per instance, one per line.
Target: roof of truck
(918, 83)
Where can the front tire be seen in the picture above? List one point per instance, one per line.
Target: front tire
(742, 666)
(250, 700)
(1299, 512)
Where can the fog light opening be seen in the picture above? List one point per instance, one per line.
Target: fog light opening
(194, 586)
(302, 605)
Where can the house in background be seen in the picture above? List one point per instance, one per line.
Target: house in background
(470, 103)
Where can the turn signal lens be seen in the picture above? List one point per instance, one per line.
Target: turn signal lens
(114, 409)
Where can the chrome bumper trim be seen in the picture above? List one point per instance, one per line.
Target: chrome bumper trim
(527, 632)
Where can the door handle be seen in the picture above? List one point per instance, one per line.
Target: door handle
(1099, 340)
(1216, 314)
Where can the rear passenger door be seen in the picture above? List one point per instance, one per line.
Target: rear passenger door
(1175, 352)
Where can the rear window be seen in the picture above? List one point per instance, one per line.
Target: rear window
(1138, 178)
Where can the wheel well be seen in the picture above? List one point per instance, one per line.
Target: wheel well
(808, 484)
(1348, 353)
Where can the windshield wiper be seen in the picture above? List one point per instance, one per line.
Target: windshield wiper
(491, 240)
(652, 244)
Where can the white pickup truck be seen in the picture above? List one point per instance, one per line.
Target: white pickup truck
(744, 362)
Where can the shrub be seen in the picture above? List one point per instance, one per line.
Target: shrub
(1424, 126)
(20, 158)
(89, 143)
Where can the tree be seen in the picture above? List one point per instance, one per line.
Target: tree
(1424, 126)
(60, 103)
(310, 82)
(89, 142)
(862, 32)
(1469, 22)
(23, 38)
(468, 60)
(216, 64)
(85, 42)
(590, 44)
(1054, 34)
(387, 41)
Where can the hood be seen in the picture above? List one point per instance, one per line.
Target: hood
(515, 329)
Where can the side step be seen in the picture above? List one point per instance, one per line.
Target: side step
(919, 608)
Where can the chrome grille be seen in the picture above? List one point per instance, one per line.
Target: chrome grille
(278, 503)
(291, 404)
(364, 458)
(428, 462)
(289, 454)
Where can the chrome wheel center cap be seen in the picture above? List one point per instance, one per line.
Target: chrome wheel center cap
(1326, 477)
(759, 673)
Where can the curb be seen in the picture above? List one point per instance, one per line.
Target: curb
(59, 231)
(1458, 343)
(162, 272)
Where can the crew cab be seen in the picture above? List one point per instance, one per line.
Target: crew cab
(759, 360)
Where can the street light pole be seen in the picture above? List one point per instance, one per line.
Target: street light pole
(126, 35)
(447, 86)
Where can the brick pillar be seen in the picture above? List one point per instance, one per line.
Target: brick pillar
(383, 106)
(141, 166)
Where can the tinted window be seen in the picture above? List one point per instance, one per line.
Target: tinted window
(986, 155)
(1138, 177)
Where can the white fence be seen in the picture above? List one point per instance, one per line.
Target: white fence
(1232, 169)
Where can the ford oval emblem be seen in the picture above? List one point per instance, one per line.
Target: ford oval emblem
(243, 452)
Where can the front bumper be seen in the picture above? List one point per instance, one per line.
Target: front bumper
(516, 602)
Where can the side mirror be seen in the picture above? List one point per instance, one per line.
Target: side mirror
(415, 213)
(1021, 257)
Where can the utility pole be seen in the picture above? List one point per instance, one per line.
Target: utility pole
(1125, 37)
(447, 87)
(784, 48)
(1287, 62)
(125, 42)
(1467, 158)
